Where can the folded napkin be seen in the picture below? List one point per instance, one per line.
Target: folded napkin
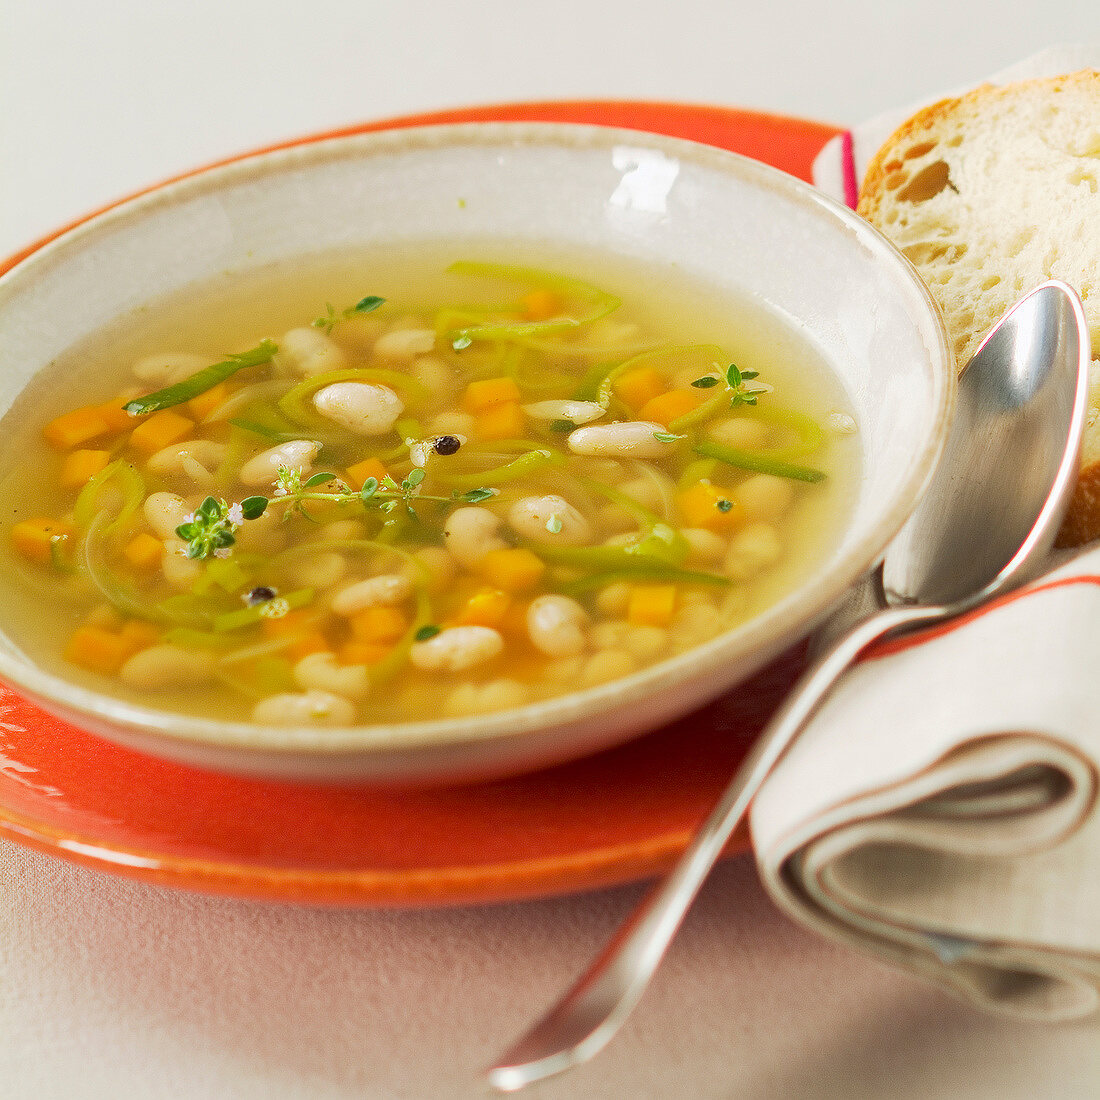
(942, 808)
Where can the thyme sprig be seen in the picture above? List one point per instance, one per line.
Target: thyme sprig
(332, 317)
(211, 531)
(741, 395)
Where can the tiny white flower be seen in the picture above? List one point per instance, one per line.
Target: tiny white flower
(235, 515)
(223, 552)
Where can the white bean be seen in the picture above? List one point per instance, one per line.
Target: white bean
(194, 459)
(549, 518)
(706, 547)
(265, 535)
(614, 599)
(307, 351)
(739, 431)
(179, 570)
(753, 549)
(457, 648)
(764, 496)
(469, 699)
(341, 530)
(438, 562)
(321, 570)
(471, 533)
(169, 367)
(307, 708)
(361, 407)
(436, 375)
(579, 412)
(164, 512)
(556, 625)
(263, 469)
(164, 667)
(320, 672)
(608, 664)
(628, 439)
(454, 422)
(386, 591)
(405, 344)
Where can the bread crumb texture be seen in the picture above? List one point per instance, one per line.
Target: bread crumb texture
(989, 195)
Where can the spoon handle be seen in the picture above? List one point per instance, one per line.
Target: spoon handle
(590, 1013)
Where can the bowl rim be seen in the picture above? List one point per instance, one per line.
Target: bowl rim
(100, 709)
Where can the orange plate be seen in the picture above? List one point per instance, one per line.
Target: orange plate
(612, 818)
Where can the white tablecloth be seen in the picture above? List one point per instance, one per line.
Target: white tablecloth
(110, 988)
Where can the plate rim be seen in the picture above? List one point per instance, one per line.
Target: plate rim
(499, 881)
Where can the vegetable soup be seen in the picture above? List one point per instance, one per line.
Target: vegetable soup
(382, 489)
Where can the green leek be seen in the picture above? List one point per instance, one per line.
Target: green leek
(205, 379)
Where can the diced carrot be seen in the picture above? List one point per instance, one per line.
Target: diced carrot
(514, 623)
(160, 430)
(115, 416)
(379, 624)
(635, 387)
(513, 570)
(139, 634)
(299, 620)
(97, 649)
(499, 422)
(36, 538)
(488, 392)
(73, 428)
(705, 505)
(144, 551)
(201, 406)
(80, 466)
(666, 407)
(541, 304)
(651, 604)
(487, 607)
(363, 653)
(313, 642)
(369, 467)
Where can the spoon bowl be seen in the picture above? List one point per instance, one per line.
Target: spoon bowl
(986, 521)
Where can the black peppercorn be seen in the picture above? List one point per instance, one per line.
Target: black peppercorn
(261, 594)
(446, 445)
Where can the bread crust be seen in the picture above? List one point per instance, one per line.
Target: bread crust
(958, 241)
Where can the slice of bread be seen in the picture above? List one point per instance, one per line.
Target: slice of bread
(991, 194)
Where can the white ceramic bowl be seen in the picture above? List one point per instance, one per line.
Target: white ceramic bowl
(732, 222)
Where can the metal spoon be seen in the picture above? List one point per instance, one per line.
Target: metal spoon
(989, 515)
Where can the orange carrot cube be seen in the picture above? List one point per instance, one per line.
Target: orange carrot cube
(80, 466)
(202, 405)
(144, 551)
(160, 430)
(651, 604)
(369, 467)
(541, 305)
(363, 653)
(705, 505)
(73, 428)
(488, 392)
(499, 422)
(379, 624)
(666, 407)
(635, 387)
(512, 570)
(36, 538)
(98, 650)
(487, 607)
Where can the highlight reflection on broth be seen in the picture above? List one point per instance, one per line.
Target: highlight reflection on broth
(463, 487)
